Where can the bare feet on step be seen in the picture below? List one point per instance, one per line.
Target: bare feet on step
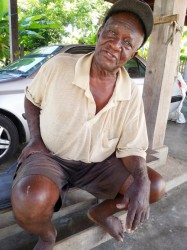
(44, 245)
(47, 243)
(110, 224)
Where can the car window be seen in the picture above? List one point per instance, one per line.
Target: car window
(81, 49)
(25, 66)
(46, 50)
(30, 63)
(135, 68)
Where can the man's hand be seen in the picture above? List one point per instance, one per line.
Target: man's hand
(35, 145)
(136, 199)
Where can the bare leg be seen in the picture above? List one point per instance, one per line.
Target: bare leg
(33, 200)
(102, 214)
(157, 185)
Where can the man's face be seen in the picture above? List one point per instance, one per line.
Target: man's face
(118, 41)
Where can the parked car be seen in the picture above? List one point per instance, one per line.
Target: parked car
(15, 77)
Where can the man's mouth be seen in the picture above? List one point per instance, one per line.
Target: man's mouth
(110, 56)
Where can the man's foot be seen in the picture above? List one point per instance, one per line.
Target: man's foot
(110, 224)
(44, 245)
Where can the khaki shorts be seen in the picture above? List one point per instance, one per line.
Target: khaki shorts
(102, 179)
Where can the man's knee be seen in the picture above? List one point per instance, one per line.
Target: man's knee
(157, 185)
(33, 197)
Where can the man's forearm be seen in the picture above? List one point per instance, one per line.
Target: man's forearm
(136, 196)
(32, 114)
(136, 166)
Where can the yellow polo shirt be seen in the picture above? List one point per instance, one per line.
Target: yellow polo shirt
(70, 127)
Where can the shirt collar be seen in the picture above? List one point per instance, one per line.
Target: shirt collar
(82, 76)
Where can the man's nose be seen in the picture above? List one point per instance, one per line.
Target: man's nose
(116, 44)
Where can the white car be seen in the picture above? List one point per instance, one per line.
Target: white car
(15, 77)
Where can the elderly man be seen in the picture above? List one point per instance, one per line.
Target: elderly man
(88, 130)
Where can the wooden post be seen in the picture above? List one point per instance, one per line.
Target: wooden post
(13, 30)
(161, 69)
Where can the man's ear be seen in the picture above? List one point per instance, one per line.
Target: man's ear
(99, 32)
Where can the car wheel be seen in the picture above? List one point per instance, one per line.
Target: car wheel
(9, 138)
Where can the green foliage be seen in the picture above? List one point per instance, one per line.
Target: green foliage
(3, 7)
(183, 54)
(77, 20)
(4, 37)
(143, 52)
(34, 31)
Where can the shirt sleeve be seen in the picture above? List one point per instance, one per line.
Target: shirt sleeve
(134, 139)
(36, 91)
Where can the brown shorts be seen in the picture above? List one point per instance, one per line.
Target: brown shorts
(102, 179)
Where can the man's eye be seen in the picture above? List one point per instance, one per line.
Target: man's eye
(111, 33)
(127, 44)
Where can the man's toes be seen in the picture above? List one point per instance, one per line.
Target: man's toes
(121, 236)
(123, 226)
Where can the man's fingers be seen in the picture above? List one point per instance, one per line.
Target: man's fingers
(137, 220)
(147, 214)
(130, 218)
(135, 217)
(143, 217)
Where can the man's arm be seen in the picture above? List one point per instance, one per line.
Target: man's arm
(136, 197)
(32, 114)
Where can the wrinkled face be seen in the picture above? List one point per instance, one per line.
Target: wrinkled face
(118, 41)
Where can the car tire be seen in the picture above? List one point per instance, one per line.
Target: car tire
(9, 138)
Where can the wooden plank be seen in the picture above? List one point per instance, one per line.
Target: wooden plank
(166, 19)
(87, 239)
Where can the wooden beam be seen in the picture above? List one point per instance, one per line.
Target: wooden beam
(166, 19)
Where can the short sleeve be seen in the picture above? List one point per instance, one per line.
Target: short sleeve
(37, 90)
(134, 139)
